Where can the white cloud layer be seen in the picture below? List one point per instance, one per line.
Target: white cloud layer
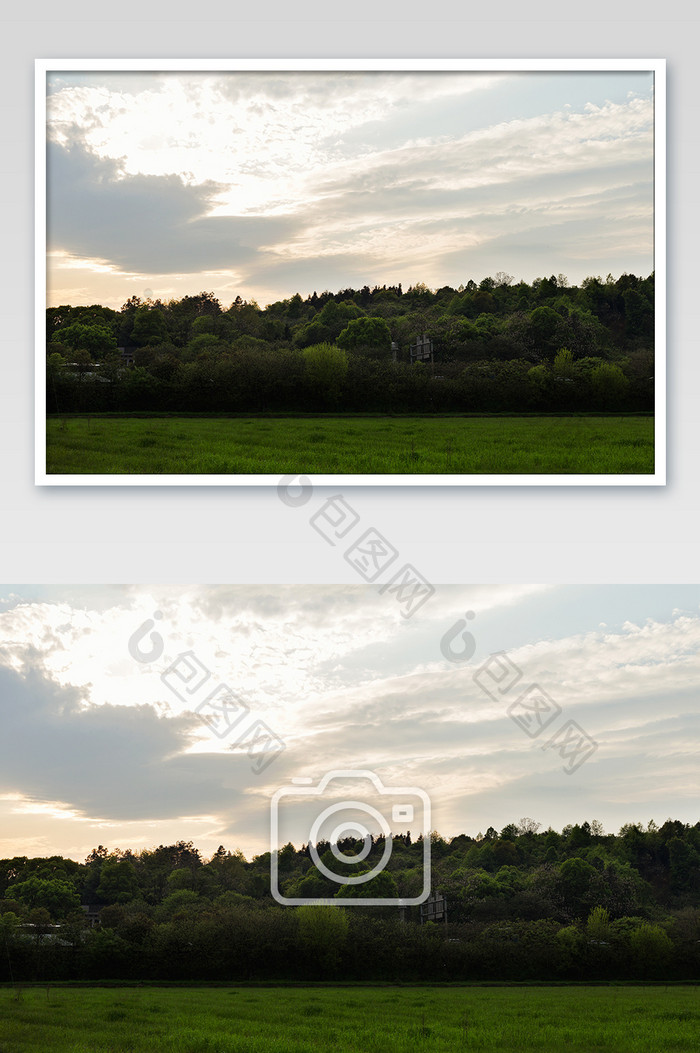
(97, 747)
(269, 183)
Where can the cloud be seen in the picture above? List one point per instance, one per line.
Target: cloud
(146, 223)
(276, 645)
(583, 182)
(107, 762)
(347, 683)
(222, 126)
(281, 182)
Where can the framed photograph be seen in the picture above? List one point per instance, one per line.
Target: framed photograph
(377, 272)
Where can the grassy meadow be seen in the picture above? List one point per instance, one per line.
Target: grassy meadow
(350, 445)
(349, 1020)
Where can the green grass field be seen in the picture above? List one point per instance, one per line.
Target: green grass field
(351, 445)
(350, 1020)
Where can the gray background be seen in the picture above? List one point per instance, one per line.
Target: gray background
(450, 534)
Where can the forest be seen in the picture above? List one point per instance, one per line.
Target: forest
(497, 347)
(522, 905)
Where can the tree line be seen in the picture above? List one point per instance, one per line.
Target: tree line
(498, 346)
(522, 904)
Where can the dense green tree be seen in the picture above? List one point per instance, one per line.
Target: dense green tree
(96, 340)
(323, 931)
(598, 925)
(371, 334)
(490, 340)
(54, 895)
(118, 882)
(149, 327)
(326, 367)
(605, 907)
(684, 863)
(563, 366)
(639, 313)
(650, 949)
(544, 323)
(609, 384)
(576, 875)
(381, 886)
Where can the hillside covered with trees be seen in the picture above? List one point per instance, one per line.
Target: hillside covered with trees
(498, 346)
(522, 904)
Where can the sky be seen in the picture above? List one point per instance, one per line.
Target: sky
(101, 742)
(265, 184)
